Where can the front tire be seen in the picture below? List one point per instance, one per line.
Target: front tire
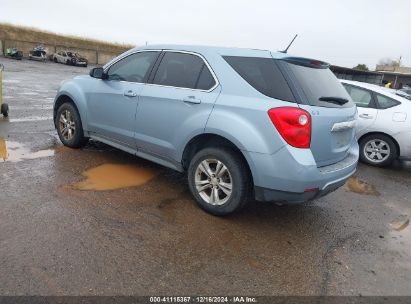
(378, 150)
(69, 127)
(219, 180)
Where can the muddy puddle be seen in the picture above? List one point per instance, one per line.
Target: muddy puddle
(400, 223)
(114, 176)
(359, 186)
(11, 151)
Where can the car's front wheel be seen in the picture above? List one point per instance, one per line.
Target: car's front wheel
(69, 127)
(378, 150)
(219, 180)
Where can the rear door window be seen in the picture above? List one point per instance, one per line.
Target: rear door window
(262, 74)
(184, 70)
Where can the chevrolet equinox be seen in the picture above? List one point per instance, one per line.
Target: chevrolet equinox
(242, 123)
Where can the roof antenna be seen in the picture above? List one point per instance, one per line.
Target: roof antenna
(285, 51)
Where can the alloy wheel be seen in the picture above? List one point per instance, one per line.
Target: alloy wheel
(213, 182)
(67, 126)
(377, 150)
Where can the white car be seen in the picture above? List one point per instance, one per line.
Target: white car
(384, 123)
(404, 92)
(69, 58)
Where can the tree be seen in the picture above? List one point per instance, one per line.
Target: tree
(361, 67)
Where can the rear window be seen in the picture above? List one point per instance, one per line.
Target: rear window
(263, 75)
(385, 102)
(318, 83)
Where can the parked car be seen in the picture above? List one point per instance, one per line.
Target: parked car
(384, 123)
(70, 58)
(404, 92)
(14, 53)
(241, 122)
(38, 53)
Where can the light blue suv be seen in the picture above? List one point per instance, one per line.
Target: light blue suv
(243, 123)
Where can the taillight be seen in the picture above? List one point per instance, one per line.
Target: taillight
(293, 124)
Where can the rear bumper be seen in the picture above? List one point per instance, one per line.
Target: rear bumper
(267, 195)
(287, 174)
(404, 142)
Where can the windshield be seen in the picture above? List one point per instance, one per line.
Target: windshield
(320, 86)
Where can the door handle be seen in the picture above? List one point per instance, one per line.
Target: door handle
(366, 116)
(130, 93)
(192, 99)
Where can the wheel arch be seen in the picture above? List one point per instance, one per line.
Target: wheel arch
(205, 140)
(385, 134)
(65, 98)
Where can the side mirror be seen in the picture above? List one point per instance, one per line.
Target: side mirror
(98, 73)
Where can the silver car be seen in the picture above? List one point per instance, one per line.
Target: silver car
(242, 123)
(384, 123)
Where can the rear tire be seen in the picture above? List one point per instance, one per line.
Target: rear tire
(378, 150)
(69, 127)
(55, 60)
(219, 180)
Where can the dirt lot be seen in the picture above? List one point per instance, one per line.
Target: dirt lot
(146, 236)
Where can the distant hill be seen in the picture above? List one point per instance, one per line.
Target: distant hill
(25, 38)
(16, 32)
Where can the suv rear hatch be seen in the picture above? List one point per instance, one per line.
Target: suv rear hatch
(332, 111)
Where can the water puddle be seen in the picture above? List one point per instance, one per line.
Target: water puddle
(358, 186)
(114, 176)
(400, 223)
(62, 149)
(11, 151)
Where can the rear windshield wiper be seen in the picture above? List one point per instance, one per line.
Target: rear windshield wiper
(337, 100)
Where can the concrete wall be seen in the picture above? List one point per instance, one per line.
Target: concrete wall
(104, 57)
(94, 56)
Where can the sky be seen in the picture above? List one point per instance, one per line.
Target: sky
(341, 32)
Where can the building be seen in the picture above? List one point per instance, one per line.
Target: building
(398, 76)
(357, 75)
